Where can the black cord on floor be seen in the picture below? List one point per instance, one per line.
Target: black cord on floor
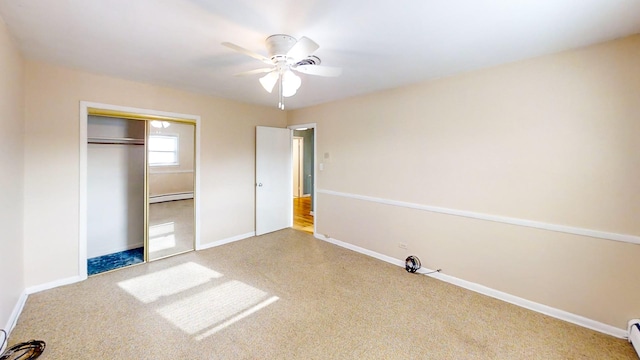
(24, 351)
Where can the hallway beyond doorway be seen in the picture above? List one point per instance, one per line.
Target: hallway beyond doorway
(302, 218)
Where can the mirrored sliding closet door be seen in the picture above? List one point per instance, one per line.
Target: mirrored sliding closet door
(171, 174)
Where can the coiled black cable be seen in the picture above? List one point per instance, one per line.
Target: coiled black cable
(412, 264)
(27, 350)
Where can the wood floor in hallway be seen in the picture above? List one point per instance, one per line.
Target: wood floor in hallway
(302, 218)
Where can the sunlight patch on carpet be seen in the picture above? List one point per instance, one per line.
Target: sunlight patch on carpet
(238, 317)
(189, 300)
(212, 307)
(176, 279)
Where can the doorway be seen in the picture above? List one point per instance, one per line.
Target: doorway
(274, 208)
(157, 212)
(303, 155)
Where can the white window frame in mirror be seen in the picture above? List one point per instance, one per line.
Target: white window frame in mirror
(175, 150)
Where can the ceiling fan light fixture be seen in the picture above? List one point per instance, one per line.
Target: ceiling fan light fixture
(160, 124)
(269, 81)
(290, 83)
(286, 56)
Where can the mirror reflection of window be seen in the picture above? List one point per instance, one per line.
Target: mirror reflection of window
(163, 150)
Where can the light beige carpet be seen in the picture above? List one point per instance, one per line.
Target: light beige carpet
(287, 295)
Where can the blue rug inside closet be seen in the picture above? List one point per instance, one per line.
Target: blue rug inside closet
(117, 260)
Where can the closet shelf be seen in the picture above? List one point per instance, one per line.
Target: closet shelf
(117, 141)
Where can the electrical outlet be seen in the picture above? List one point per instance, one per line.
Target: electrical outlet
(402, 246)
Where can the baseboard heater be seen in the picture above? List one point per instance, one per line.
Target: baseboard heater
(634, 334)
(170, 197)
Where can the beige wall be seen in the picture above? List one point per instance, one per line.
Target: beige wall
(11, 176)
(53, 96)
(167, 183)
(553, 139)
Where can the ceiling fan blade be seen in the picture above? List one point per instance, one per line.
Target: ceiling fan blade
(255, 71)
(257, 56)
(319, 70)
(302, 49)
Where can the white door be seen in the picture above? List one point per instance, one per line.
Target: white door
(273, 179)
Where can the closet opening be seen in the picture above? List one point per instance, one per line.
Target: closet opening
(115, 193)
(139, 199)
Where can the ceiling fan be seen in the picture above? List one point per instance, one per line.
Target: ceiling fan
(286, 56)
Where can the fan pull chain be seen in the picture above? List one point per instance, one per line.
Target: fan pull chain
(281, 100)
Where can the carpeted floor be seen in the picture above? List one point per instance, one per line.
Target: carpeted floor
(114, 261)
(287, 295)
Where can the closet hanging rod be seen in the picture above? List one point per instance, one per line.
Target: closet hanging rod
(115, 141)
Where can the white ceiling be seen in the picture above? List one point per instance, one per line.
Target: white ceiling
(380, 44)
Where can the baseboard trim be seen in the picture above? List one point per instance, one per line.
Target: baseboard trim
(226, 241)
(15, 314)
(627, 238)
(54, 284)
(156, 172)
(634, 334)
(170, 197)
(515, 300)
